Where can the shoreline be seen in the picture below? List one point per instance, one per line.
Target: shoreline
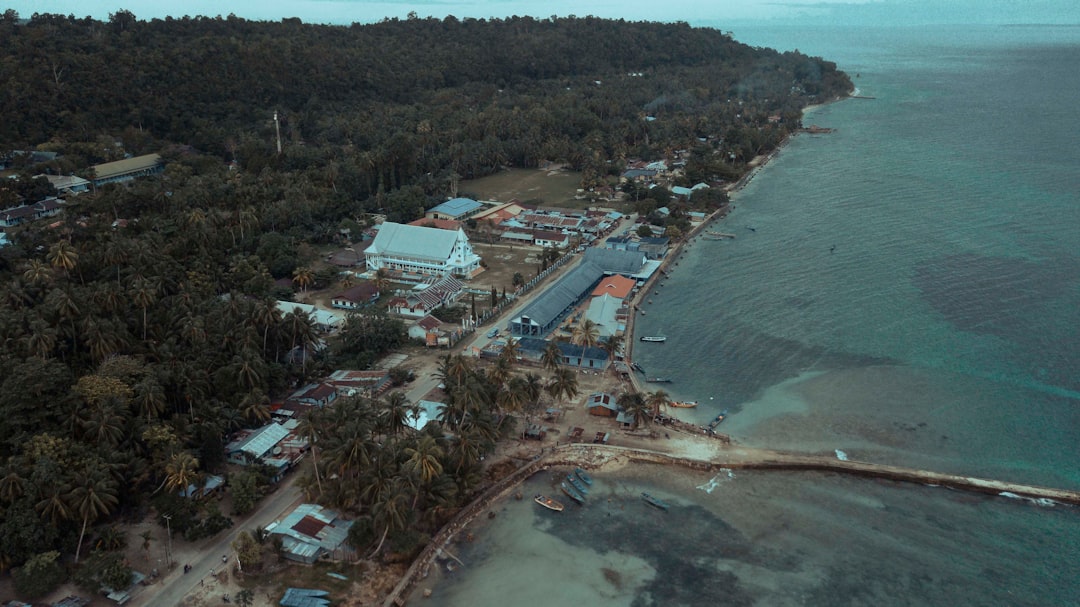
(599, 457)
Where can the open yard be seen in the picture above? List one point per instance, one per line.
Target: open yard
(554, 188)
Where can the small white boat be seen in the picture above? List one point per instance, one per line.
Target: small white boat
(653, 338)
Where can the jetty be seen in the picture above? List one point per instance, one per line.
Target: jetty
(730, 458)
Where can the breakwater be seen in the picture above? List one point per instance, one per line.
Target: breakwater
(592, 456)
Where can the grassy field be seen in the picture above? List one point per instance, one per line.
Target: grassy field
(549, 188)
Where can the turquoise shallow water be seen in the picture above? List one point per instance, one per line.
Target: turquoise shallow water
(931, 243)
(909, 293)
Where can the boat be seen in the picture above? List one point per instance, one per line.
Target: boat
(548, 503)
(576, 483)
(658, 380)
(572, 493)
(719, 418)
(584, 476)
(638, 368)
(683, 405)
(654, 338)
(654, 501)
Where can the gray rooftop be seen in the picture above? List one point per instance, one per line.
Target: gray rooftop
(399, 240)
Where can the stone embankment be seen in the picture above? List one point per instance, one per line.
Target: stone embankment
(591, 456)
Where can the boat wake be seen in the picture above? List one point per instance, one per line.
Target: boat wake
(724, 476)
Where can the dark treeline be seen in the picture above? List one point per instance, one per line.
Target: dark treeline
(142, 330)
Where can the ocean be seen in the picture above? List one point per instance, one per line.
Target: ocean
(905, 289)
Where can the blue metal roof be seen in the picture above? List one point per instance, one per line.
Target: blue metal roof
(456, 207)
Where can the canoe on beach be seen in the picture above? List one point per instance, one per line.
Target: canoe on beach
(655, 501)
(572, 493)
(584, 476)
(576, 483)
(548, 503)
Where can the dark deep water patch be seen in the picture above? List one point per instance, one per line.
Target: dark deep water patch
(685, 545)
(1011, 299)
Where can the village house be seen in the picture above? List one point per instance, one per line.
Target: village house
(420, 251)
(324, 320)
(313, 395)
(273, 445)
(456, 209)
(602, 404)
(127, 169)
(427, 297)
(311, 532)
(441, 224)
(67, 184)
(356, 297)
(12, 217)
(349, 382)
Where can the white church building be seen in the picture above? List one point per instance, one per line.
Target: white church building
(422, 251)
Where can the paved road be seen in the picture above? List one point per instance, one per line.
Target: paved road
(172, 589)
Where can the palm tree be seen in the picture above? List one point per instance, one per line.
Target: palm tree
(657, 400)
(382, 280)
(150, 398)
(105, 426)
(267, 316)
(424, 459)
(37, 273)
(397, 412)
(52, 505)
(563, 384)
(586, 334)
(514, 394)
(308, 428)
(181, 471)
(93, 496)
(552, 357)
(511, 351)
(144, 293)
(255, 406)
(303, 277)
(12, 485)
(392, 511)
(63, 256)
(636, 406)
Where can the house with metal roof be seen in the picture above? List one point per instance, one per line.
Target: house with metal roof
(127, 169)
(532, 348)
(311, 532)
(323, 319)
(604, 312)
(654, 247)
(356, 296)
(67, 184)
(30, 212)
(556, 302)
(426, 411)
(602, 404)
(455, 208)
(422, 251)
(250, 446)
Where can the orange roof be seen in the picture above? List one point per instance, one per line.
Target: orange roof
(442, 224)
(615, 286)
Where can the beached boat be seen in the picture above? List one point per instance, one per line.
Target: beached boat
(716, 420)
(653, 338)
(576, 483)
(584, 476)
(572, 493)
(548, 503)
(658, 380)
(689, 404)
(654, 501)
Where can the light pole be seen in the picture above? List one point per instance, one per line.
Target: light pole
(168, 545)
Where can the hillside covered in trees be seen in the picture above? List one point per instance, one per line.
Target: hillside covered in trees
(142, 329)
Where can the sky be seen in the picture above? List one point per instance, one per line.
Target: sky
(712, 13)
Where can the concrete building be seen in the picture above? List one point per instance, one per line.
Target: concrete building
(416, 250)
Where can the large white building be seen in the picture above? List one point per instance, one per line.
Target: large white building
(422, 251)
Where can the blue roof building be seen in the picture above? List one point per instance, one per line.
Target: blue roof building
(455, 208)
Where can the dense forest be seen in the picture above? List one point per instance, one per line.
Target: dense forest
(142, 330)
